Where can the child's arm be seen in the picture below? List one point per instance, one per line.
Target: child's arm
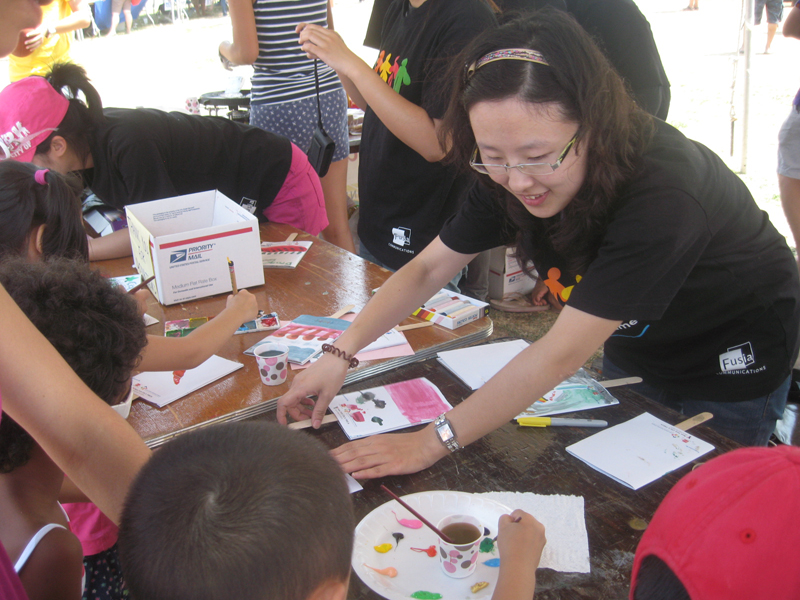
(71, 493)
(168, 354)
(113, 245)
(521, 544)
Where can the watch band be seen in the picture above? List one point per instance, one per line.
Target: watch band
(447, 435)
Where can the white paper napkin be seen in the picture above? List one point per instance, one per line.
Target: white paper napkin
(567, 547)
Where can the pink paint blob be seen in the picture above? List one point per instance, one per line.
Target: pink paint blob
(388, 571)
(410, 523)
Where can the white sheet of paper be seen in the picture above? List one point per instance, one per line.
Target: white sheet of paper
(478, 364)
(148, 320)
(162, 387)
(352, 484)
(639, 451)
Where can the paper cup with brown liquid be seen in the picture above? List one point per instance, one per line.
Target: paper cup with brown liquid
(272, 362)
(458, 560)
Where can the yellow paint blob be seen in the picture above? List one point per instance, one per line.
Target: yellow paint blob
(383, 548)
(479, 586)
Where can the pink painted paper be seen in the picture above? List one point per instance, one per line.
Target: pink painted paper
(417, 400)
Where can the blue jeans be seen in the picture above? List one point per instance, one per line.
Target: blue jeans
(749, 422)
(452, 286)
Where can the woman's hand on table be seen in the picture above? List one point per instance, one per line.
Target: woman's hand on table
(326, 45)
(390, 454)
(323, 379)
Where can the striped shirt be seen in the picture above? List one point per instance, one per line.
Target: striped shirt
(283, 72)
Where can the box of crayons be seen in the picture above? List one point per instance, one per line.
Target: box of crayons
(452, 310)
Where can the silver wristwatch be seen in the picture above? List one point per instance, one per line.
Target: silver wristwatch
(447, 435)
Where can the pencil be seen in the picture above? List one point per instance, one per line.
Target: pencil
(233, 276)
(135, 289)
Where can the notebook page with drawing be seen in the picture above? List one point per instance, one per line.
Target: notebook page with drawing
(639, 451)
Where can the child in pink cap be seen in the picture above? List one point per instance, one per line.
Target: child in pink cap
(128, 156)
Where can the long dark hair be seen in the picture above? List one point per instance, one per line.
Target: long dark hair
(85, 110)
(613, 132)
(26, 204)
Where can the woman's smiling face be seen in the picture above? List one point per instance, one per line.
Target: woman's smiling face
(512, 132)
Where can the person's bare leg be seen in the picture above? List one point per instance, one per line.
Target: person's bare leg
(126, 10)
(790, 200)
(114, 23)
(334, 188)
(771, 29)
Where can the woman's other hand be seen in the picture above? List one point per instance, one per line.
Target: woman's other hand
(390, 454)
(323, 379)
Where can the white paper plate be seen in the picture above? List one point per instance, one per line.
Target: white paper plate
(416, 571)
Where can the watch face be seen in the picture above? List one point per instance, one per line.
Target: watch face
(445, 432)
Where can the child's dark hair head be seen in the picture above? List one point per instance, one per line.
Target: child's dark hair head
(28, 200)
(239, 510)
(85, 110)
(95, 327)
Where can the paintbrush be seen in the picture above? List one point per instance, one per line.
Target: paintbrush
(135, 289)
(232, 271)
(416, 514)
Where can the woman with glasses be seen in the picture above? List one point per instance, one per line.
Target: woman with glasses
(126, 156)
(653, 247)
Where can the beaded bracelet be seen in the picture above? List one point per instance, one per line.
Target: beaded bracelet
(353, 362)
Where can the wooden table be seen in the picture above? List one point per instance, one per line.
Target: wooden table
(526, 459)
(327, 279)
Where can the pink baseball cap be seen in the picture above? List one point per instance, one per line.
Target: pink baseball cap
(730, 529)
(30, 110)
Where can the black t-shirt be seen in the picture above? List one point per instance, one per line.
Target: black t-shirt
(146, 154)
(706, 288)
(621, 31)
(404, 199)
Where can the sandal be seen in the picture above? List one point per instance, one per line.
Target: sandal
(517, 303)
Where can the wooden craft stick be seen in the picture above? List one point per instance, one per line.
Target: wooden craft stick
(343, 311)
(291, 237)
(695, 420)
(413, 326)
(141, 286)
(622, 381)
(307, 423)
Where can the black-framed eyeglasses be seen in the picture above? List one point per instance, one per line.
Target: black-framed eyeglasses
(524, 168)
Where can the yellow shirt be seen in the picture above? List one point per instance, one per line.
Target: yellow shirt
(53, 49)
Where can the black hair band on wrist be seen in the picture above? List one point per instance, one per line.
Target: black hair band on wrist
(352, 362)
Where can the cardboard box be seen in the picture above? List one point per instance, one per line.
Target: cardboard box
(185, 242)
(506, 277)
(478, 311)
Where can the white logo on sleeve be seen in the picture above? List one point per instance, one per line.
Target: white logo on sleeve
(402, 236)
(737, 358)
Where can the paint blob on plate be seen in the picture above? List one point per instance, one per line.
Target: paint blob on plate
(423, 595)
(388, 571)
(410, 523)
(383, 548)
